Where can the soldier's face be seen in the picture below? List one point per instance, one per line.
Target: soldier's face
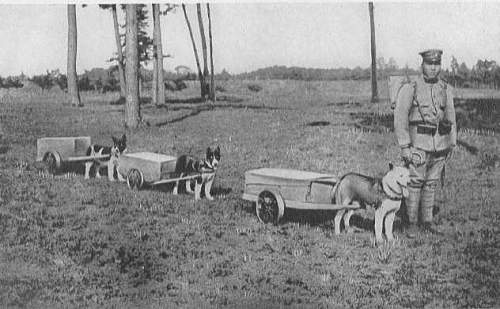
(431, 70)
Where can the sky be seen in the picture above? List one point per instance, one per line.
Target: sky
(252, 35)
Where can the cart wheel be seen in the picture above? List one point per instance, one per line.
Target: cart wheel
(52, 161)
(135, 179)
(270, 207)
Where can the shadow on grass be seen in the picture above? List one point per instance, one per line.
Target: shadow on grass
(353, 104)
(196, 110)
(318, 123)
(4, 149)
(199, 100)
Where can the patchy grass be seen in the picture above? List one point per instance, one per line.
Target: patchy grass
(68, 242)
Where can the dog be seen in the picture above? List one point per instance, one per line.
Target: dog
(119, 147)
(384, 195)
(207, 167)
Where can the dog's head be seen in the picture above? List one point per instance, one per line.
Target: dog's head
(397, 179)
(119, 144)
(213, 157)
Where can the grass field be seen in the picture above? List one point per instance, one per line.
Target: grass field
(70, 242)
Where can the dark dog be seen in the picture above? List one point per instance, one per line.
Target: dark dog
(206, 168)
(384, 195)
(119, 147)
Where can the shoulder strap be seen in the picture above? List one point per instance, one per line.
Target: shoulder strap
(418, 104)
(404, 82)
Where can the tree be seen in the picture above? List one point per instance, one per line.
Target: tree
(158, 84)
(200, 75)
(374, 56)
(463, 73)
(454, 70)
(212, 81)
(204, 51)
(132, 108)
(119, 59)
(74, 94)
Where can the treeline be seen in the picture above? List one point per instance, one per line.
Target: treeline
(484, 74)
(297, 73)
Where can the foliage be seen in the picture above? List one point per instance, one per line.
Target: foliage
(254, 87)
(298, 73)
(145, 43)
(10, 82)
(51, 79)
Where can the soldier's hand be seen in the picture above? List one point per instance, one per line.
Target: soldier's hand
(406, 154)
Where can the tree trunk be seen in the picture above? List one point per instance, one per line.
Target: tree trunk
(154, 88)
(204, 51)
(121, 71)
(158, 57)
(212, 82)
(200, 75)
(74, 94)
(132, 108)
(374, 55)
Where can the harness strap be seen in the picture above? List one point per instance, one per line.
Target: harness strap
(398, 196)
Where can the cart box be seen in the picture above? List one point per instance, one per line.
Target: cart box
(293, 185)
(64, 146)
(153, 166)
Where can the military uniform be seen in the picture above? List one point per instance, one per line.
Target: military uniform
(424, 123)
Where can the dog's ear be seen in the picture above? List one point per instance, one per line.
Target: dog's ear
(209, 151)
(115, 140)
(124, 137)
(391, 166)
(217, 150)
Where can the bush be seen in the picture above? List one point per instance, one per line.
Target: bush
(254, 87)
(220, 89)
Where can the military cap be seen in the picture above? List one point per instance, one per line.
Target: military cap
(431, 56)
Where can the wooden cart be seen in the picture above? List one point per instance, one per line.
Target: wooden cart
(148, 168)
(274, 189)
(57, 151)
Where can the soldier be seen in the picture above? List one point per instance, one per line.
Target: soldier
(425, 127)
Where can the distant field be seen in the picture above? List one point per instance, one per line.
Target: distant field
(70, 242)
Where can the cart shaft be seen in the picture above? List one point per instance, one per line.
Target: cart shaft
(169, 180)
(86, 158)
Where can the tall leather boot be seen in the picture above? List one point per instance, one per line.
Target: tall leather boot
(412, 206)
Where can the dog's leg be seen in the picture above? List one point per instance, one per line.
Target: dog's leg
(338, 218)
(120, 177)
(197, 189)
(208, 187)
(188, 187)
(88, 165)
(389, 220)
(347, 218)
(176, 185)
(380, 214)
(97, 174)
(111, 170)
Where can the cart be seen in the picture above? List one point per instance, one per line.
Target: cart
(55, 152)
(274, 189)
(148, 168)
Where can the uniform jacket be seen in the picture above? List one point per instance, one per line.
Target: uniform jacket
(419, 102)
